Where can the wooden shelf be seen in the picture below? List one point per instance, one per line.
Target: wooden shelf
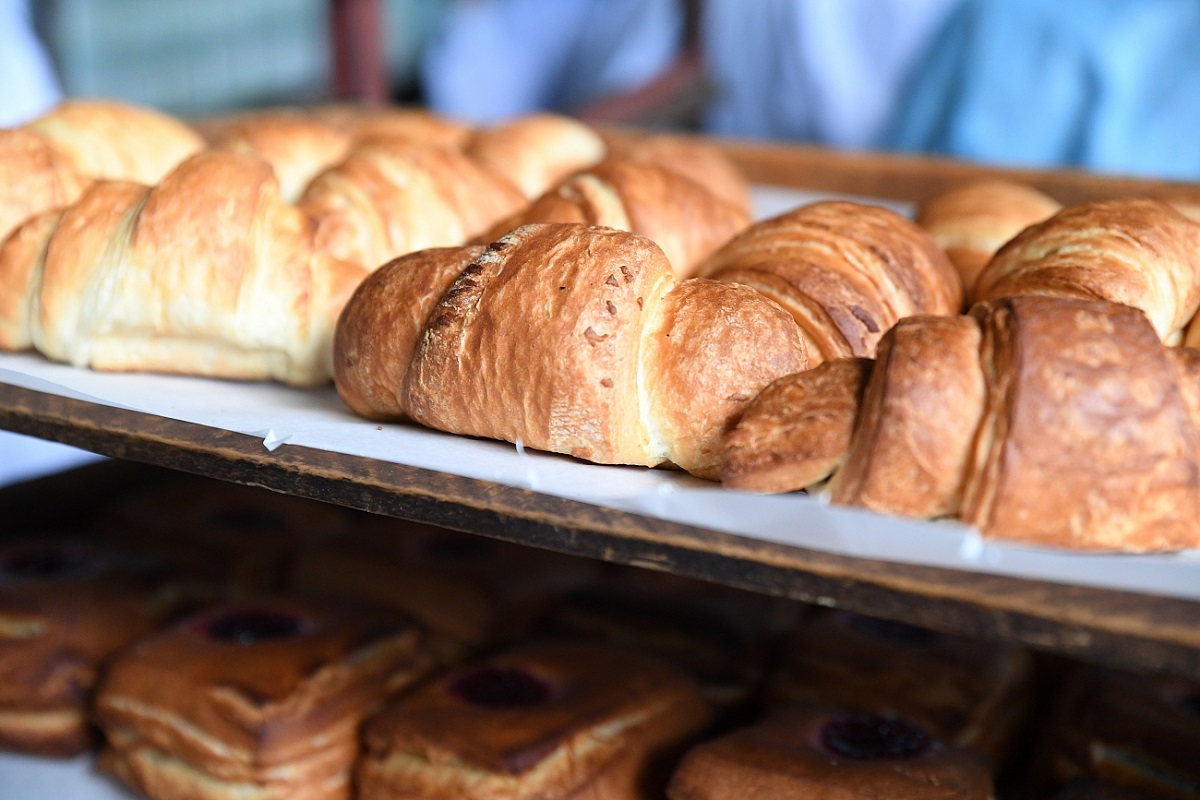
(1109, 627)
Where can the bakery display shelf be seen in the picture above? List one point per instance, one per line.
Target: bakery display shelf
(1118, 628)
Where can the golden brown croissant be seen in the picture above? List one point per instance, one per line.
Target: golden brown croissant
(207, 273)
(392, 196)
(568, 338)
(1054, 421)
(690, 156)
(1142, 253)
(973, 221)
(536, 151)
(365, 122)
(35, 176)
(679, 215)
(845, 271)
(116, 141)
(297, 146)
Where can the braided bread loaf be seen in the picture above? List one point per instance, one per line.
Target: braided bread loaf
(679, 215)
(568, 338)
(207, 273)
(846, 272)
(1142, 253)
(1024, 419)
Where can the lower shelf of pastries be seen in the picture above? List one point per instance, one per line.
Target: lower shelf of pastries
(200, 639)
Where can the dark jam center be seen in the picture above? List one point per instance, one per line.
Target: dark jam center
(500, 687)
(248, 518)
(870, 736)
(895, 631)
(252, 627)
(39, 564)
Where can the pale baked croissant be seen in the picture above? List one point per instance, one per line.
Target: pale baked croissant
(568, 338)
(846, 272)
(679, 215)
(207, 273)
(392, 196)
(971, 222)
(117, 141)
(1142, 253)
(35, 176)
(1054, 421)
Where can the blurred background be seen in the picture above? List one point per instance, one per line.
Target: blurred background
(1104, 85)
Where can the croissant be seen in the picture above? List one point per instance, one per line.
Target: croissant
(679, 215)
(536, 151)
(116, 141)
(1025, 419)
(691, 157)
(392, 196)
(846, 272)
(207, 273)
(568, 338)
(1142, 253)
(973, 221)
(35, 176)
(297, 146)
(365, 122)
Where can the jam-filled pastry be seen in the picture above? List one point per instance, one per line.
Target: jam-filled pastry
(545, 721)
(218, 531)
(816, 754)
(969, 692)
(470, 591)
(261, 699)
(66, 607)
(1138, 732)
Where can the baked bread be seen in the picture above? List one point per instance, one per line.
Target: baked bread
(570, 339)
(1137, 732)
(472, 592)
(846, 272)
(35, 176)
(391, 196)
(1142, 253)
(260, 699)
(690, 156)
(679, 215)
(547, 721)
(971, 222)
(297, 146)
(817, 753)
(1024, 420)
(367, 122)
(207, 273)
(117, 141)
(66, 608)
(966, 692)
(536, 151)
(243, 537)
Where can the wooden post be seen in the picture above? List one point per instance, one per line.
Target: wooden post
(359, 67)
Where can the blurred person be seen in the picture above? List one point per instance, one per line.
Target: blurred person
(28, 87)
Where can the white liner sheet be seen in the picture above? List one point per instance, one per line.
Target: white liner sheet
(281, 416)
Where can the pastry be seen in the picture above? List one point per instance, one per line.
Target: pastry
(971, 222)
(846, 272)
(547, 721)
(536, 151)
(1024, 419)
(967, 692)
(690, 156)
(679, 215)
(812, 752)
(207, 273)
(1141, 253)
(261, 698)
(571, 339)
(66, 608)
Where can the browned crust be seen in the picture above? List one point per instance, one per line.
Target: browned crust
(971, 222)
(380, 327)
(1076, 448)
(34, 177)
(1140, 253)
(780, 758)
(715, 347)
(690, 156)
(539, 340)
(915, 434)
(611, 714)
(847, 272)
(536, 151)
(797, 431)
